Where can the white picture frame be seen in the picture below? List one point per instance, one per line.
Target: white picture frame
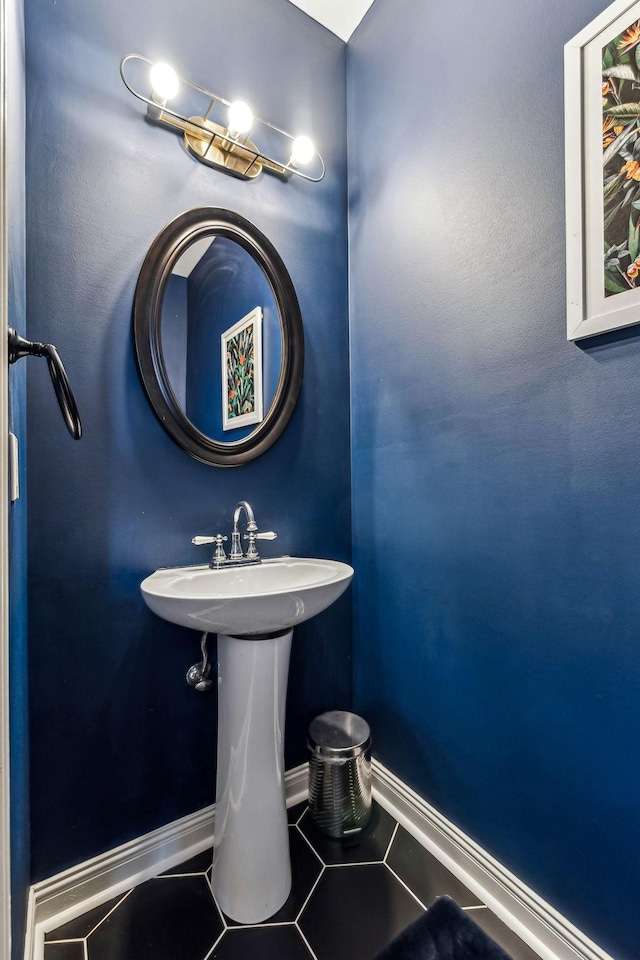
(242, 372)
(592, 306)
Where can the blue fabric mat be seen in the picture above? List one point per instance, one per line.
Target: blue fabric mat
(444, 932)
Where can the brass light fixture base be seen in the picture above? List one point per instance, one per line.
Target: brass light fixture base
(238, 159)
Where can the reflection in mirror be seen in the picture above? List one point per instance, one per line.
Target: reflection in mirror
(214, 287)
(228, 281)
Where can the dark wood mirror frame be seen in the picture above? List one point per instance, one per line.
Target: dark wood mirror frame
(164, 252)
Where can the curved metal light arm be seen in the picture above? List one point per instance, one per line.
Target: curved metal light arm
(193, 127)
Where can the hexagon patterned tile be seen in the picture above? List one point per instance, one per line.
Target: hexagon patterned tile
(348, 900)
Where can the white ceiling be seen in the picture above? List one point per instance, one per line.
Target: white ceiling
(192, 256)
(339, 16)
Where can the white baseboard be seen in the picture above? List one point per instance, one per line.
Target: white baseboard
(537, 923)
(70, 894)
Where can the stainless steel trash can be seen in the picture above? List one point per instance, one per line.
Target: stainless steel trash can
(340, 773)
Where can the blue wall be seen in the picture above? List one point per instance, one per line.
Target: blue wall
(496, 476)
(119, 743)
(18, 683)
(173, 327)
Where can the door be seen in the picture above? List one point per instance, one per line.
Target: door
(7, 36)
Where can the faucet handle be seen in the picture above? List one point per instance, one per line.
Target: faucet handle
(252, 551)
(219, 554)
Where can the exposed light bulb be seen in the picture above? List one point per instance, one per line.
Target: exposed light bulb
(164, 82)
(302, 151)
(240, 119)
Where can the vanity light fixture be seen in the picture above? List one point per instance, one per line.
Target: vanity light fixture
(221, 143)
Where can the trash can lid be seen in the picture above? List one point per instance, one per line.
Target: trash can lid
(339, 734)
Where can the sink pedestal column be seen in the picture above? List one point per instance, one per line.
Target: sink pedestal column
(251, 864)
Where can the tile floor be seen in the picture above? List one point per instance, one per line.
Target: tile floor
(348, 900)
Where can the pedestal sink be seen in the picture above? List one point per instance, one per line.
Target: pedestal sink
(253, 609)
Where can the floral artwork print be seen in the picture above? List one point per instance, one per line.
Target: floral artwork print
(621, 160)
(240, 374)
(241, 355)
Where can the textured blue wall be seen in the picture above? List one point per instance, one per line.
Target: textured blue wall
(18, 675)
(496, 468)
(119, 743)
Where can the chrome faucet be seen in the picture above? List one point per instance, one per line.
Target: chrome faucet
(236, 557)
(252, 526)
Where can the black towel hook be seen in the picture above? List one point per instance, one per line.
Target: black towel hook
(19, 347)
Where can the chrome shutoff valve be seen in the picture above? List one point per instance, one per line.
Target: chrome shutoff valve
(198, 674)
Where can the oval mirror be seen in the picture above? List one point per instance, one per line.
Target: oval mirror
(218, 336)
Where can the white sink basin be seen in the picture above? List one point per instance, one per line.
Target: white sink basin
(274, 595)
